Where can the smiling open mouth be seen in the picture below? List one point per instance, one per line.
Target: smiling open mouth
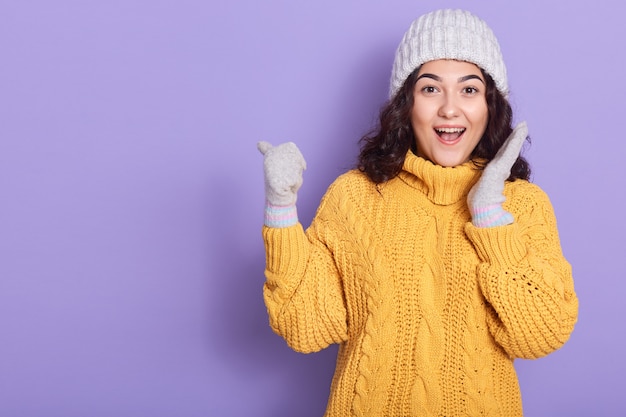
(450, 134)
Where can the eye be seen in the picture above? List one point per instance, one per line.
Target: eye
(470, 90)
(429, 89)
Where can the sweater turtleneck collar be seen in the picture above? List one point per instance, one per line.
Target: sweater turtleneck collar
(442, 185)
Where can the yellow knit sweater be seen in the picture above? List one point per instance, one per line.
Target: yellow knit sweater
(429, 311)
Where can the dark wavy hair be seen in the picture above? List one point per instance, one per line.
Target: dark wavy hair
(384, 149)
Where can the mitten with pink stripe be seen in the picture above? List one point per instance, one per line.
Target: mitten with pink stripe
(283, 166)
(486, 196)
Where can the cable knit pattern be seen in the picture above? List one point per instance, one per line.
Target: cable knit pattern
(429, 310)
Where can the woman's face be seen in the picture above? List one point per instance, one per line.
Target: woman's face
(449, 114)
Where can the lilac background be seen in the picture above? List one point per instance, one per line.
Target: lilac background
(132, 194)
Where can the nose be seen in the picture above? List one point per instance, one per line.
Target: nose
(449, 107)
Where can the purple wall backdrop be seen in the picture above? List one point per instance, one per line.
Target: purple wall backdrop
(132, 193)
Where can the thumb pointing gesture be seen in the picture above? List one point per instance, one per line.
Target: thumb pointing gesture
(283, 166)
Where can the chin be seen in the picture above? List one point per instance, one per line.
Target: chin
(445, 157)
(449, 162)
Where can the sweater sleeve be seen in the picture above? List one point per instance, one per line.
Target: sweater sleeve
(525, 278)
(303, 291)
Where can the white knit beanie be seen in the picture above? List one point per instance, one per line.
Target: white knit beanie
(448, 34)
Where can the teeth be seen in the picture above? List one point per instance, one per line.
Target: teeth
(450, 130)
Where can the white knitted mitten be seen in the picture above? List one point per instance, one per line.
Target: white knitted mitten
(283, 166)
(485, 198)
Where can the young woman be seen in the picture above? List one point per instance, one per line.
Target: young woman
(436, 262)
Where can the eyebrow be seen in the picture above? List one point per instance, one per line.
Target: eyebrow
(460, 80)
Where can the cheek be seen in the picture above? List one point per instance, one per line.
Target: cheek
(421, 116)
(480, 117)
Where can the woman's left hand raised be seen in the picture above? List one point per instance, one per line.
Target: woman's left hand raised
(486, 196)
